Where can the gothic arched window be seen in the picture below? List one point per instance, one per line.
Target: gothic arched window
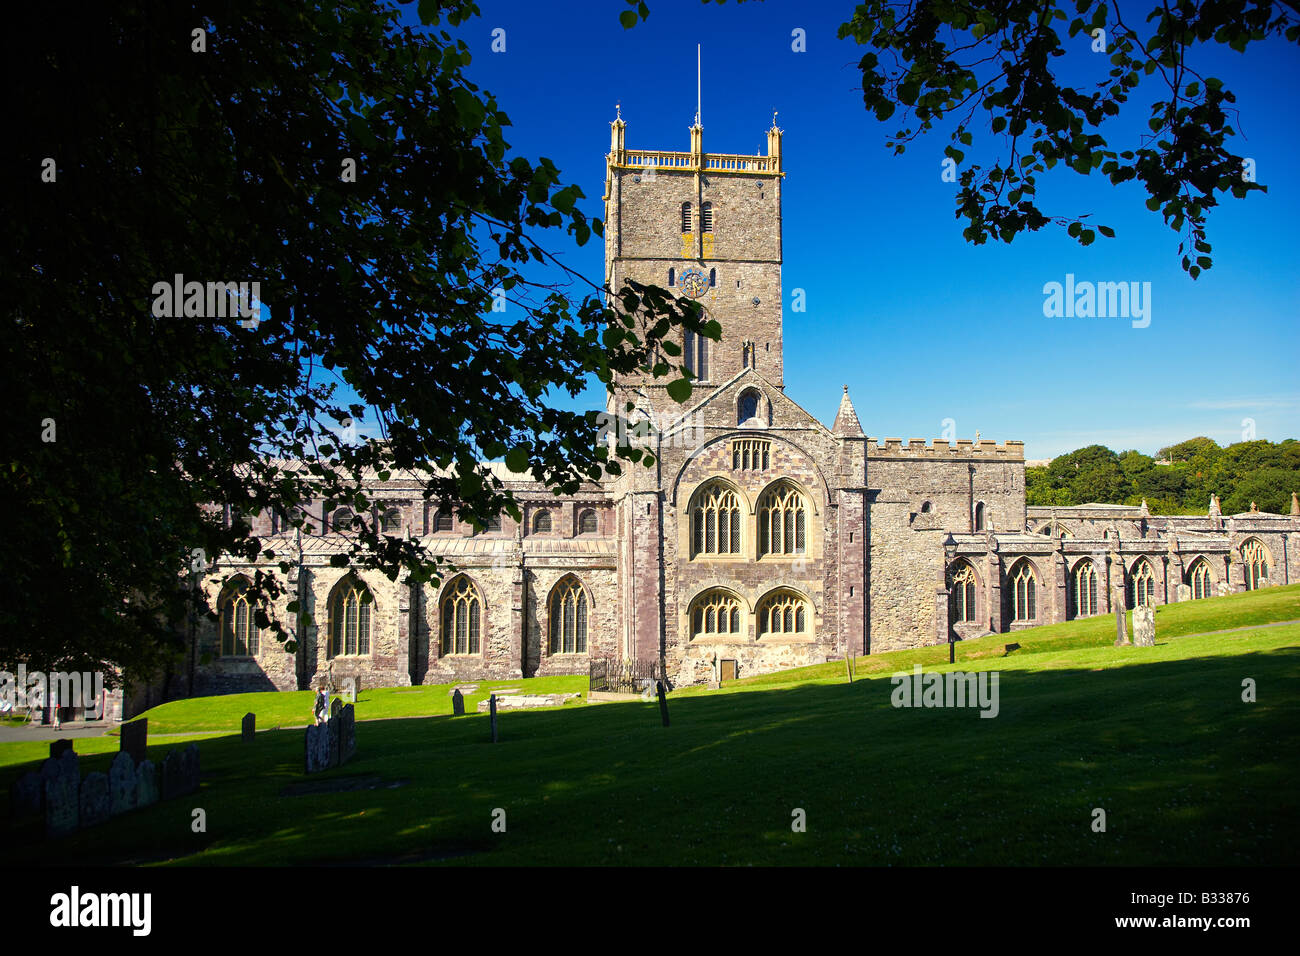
(1024, 593)
(240, 636)
(716, 612)
(1142, 585)
(1254, 559)
(462, 611)
(715, 520)
(782, 521)
(783, 612)
(350, 606)
(962, 600)
(1198, 578)
(568, 617)
(1083, 589)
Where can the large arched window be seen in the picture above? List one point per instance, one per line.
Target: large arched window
(1141, 585)
(747, 405)
(1083, 590)
(239, 633)
(782, 521)
(962, 597)
(782, 613)
(462, 612)
(1198, 579)
(350, 607)
(1254, 560)
(716, 612)
(715, 520)
(542, 522)
(1024, 593)
(568, 617)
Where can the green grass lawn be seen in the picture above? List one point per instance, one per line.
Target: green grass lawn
(1160, 738)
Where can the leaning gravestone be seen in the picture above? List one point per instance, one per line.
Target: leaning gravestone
(122, 783)
(1144, 626)
(25, 795)
(146, 784)
(1184, 593)
(336, 705)
(96, 803)
(347, 734)
(457, 704)
(248, 727)
(57, 747)
(62, 779)
(135, 738)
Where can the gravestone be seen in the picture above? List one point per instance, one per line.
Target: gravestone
(492, 704)
(336, 705)
(1222, 588)
(1144, 626)
(729, 669)
(57, 747)
(25, 795)
(335, 727)
(347, 734)
(316, 748)
(1184, 593)
(180, 772)
(663, 702)
(122, 783)
(62, 782)
(146, 784)
(96, 803)
(171, 775)
(352, 688)
(135, 738)
(248, 727)
(457, 704)
(1121, 630)
(190, 769)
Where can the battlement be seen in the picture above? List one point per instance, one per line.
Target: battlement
(962, 448)
(669, 161)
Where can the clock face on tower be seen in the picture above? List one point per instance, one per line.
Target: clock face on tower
(693, 282)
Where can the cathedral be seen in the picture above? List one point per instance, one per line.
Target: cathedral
(760, 539)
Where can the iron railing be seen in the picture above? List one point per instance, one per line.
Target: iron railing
(612, 676)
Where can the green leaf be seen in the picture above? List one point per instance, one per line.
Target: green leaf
(517, 460)
(679, 390)
(628, 19)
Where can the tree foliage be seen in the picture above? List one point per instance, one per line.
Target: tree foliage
(1259, 473)
(213, 143)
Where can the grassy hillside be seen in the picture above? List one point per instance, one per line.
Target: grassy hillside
(1157, 737)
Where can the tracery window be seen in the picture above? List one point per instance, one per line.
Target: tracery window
(715, 520)
(240, 636)
(748, 454)
(1083, 589)
(782, 521)
(1255, 561)
(350, 619)
(716, 612)
(783, 612)
(568, 617)
(462, 611)
(1024, 593)
(1198, 577)
(962, 600)
(1142, 585)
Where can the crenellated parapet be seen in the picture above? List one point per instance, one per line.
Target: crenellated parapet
(963, 448)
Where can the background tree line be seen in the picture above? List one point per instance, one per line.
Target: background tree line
(1262, 472)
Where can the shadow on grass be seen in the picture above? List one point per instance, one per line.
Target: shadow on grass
(1186, 772)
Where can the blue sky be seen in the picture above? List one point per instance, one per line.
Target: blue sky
(921, 325)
